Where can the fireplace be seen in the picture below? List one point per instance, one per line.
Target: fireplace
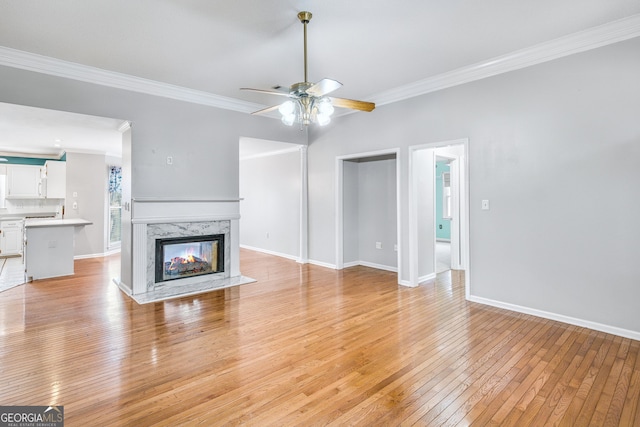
(182, 257)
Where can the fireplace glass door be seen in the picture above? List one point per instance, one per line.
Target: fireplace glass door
(181, 257)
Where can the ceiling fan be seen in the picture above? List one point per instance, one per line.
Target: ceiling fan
(308, 102)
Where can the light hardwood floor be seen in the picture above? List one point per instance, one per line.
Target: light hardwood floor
(307, 346)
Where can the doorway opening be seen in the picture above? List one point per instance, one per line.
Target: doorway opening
(367, 210)
(438, 210)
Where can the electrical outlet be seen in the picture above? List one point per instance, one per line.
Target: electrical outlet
(395, 248)
(378, 245)
(169, 160)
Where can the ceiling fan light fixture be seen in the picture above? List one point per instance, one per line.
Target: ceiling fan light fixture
(308, 102)
(306, 111)
(323, 119)
(289, 120)
(325, 107)
(287, 108)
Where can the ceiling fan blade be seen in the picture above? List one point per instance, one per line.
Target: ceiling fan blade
(266, 110)
(270, 92)
(353, 104)
(324, 87)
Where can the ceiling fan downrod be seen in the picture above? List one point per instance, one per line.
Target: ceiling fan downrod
(305, 17)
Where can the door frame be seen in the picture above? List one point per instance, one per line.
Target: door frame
(463, 210)
(339, 219)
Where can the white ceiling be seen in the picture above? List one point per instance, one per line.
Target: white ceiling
(32, 130)
(216, 46)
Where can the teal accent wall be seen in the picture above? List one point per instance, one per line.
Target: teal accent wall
(12, 160)
(443, 226)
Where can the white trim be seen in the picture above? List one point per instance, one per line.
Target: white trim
(322, 264)
(273, 153)
(304, 206)
(602, 35)
(339, 214)
(370, 265)
(180, 200)
(71, 70)
(591, 38)
(161, 220)
(626, 333)
(125, 126)
(98, 255)
(427, 277)
(414, 280)
(269, 252)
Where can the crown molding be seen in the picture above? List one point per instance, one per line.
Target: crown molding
(125, 126)
(71, 70)
(592, 38)
(612, 32)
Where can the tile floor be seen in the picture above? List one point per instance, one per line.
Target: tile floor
(443, 257)
(11, 273)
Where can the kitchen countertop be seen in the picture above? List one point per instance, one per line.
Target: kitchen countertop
(50, 222)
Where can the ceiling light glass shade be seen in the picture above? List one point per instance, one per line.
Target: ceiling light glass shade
(289, 119)
(323, 119)
(306, 111)
(287, 108)
(324, 107)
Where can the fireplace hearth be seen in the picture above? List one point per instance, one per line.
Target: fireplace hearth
(182, 257)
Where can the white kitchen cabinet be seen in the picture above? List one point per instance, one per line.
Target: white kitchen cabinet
(24, 182)
(56, 178)
(11, 238)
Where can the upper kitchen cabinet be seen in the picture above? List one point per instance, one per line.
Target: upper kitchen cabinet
(56, 179)
(24, 182)
(37, 182)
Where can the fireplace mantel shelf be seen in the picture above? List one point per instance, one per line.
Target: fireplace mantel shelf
(181, 200)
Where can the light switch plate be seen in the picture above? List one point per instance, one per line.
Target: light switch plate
(485, 205)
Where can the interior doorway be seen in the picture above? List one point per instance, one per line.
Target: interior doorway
(424, 255)
(367, 210)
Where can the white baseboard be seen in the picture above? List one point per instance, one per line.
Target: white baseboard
(99, 255)
(379, 266)
(406, 283)
(426, 277)
(634, 335)
(370, 264)
(269, 252)
(322, 264)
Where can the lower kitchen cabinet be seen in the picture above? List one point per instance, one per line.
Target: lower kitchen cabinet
(11, 239)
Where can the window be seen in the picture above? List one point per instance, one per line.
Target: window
(115, 205)
(446, 196)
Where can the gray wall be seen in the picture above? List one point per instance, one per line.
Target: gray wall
(87, 175)
(126, 238)
(425, 182)
(270, 189)
(377, 219)
(544, 144)
(202, 140)
(369, 212)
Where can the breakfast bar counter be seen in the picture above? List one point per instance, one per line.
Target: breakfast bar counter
(49, 246)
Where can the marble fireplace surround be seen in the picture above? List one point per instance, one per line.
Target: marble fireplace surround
(163, 218)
